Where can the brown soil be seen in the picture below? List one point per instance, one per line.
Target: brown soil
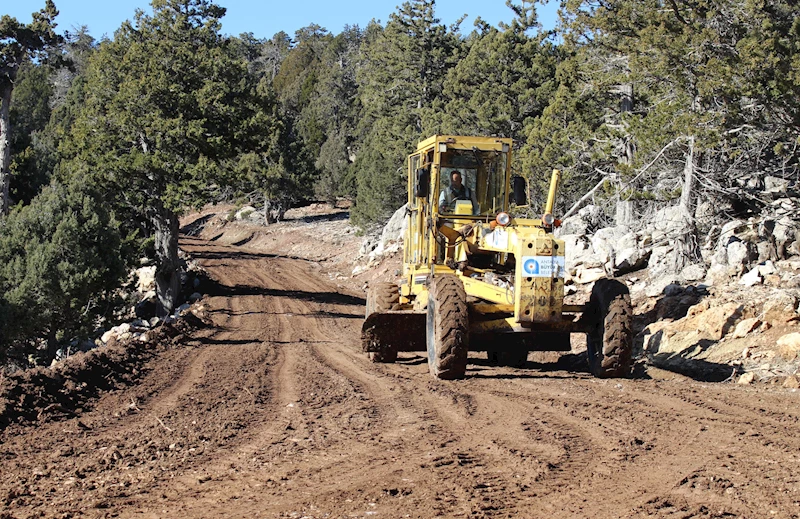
(272, 410)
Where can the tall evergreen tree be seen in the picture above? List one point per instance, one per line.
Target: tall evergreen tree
(19, 43)
(337, 108)
(401, 80)
(168, 109)
(505, 80)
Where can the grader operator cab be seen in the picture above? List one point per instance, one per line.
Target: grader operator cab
(475, 278)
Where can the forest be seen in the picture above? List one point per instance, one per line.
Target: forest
(104, 144)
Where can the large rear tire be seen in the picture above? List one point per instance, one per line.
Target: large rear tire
(610, 341)
(382, 297)
(447, 328)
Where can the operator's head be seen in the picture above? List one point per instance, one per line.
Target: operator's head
(455, 179)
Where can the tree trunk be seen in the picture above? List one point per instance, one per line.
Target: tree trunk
(274, 211)
(165, 226)
(5, 149)
(687, 249)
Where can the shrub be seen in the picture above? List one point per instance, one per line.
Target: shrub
(61, 259)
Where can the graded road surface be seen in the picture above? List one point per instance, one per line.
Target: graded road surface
(273, 411)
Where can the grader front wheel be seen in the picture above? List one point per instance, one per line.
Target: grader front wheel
(610, 341)
(447, 328)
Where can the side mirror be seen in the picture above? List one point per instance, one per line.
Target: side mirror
(519, 190)
(422, 181)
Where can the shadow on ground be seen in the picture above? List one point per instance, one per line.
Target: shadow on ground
(214, 288)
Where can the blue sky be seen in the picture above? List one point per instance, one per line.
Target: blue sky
(265, 18)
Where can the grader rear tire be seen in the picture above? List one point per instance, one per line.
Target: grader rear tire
(447, 328)
(383, 297)
(610, 341)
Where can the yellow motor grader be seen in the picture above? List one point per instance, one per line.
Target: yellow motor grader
(476, 278)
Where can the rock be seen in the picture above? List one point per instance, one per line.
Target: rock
(195, 296)
(767, 268)
(578, 251)
(389, 240)
(630, 259)
(667, 220)
(717, 275)
(694, 272)
(590, 275)
(785, 236)
(584, 222)
(711, 322)
(745, 327)
(244, 212)
(146, 278)
(698, 309)
(730, 229)
(108, 335)
(773, 280)
(656, 287)
(122, 328)
(181, 309)
(739, 254)
(791, 382)
(140, 324)
(751, 278)
(789, 345)
(570, 290)
(780, 308)
(662, 258)
(775, 184)
(746, 378)
(764, 251)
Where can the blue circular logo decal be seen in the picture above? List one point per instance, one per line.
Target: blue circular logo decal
(531, 267)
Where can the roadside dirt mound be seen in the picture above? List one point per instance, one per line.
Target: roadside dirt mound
(62, 391)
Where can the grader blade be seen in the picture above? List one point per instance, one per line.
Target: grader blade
(402, 330)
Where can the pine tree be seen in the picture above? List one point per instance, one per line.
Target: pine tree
(169, 108)
(18, 44)
(401, 80)
(505, 79)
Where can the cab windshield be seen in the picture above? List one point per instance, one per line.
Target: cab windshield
(474, 176)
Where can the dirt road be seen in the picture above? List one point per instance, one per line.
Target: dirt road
(274, 412)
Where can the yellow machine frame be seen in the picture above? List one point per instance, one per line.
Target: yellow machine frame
(536, 299)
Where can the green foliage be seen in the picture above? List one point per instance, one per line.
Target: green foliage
(61, 259)
(30, 113)
(166, 103)
(720, 75)
(20, 42)
(401, 83)
(505, 80)
(170, 115)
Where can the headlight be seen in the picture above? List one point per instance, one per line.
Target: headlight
(548, 219)
(503, 219)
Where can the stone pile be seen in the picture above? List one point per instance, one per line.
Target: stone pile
(384, 243)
